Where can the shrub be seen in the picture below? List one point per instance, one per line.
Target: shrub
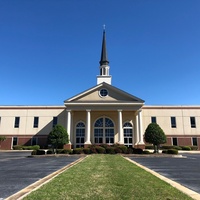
(34, 152)
(164, 151)
(138, 151)
(17, 147)
(172, 151)
(66, 151)
(194, 147)
(149, 147)
(104, 146)
(186, 148)
(146, 152)
(100, 149)
(40, 152)
(171, 147)
(117, 150)
(86, 150)
(177, 147)
(123, 148)
(93, 149)
(110, 150)
(78, 151)
(129, 150)
(59, 151)
(50, 151)
(34, 147)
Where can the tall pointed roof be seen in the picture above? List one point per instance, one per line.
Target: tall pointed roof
(104, 58)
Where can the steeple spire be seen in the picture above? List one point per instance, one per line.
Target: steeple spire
(104, 68)
(104, 58)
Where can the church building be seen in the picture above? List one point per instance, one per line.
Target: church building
(100, 114)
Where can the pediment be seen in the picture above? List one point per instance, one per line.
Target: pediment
(93, 95)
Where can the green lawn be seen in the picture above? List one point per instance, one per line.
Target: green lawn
(106, 177)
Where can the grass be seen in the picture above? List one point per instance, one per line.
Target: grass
(106, 177)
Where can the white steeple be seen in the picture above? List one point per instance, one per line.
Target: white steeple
(104, 68)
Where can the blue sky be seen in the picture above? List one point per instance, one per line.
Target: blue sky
(50, 49)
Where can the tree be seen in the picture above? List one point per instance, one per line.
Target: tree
(155, 135)
(58, 137)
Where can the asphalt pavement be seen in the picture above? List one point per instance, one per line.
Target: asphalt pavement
(17, 170)
(184, 170)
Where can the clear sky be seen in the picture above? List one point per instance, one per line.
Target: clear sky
(50, 49)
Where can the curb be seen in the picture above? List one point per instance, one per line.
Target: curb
(34, 186)
(174, 184)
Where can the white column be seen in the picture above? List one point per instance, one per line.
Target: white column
(136, 129)
(88, 125)
(140, 127)
(120, 128)
(69, 124)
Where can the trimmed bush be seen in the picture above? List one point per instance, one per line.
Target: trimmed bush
(17, 147)
(104, 146)
(146, 152)
(123, 148)
(194, 147)
(164, 151)
(171, 147)
(100, 149)
(21, 147)
(110, 150)
(50, 151)
(78, 151)
(86, 150)
(117, 150)
(138, 151)
(186, 148)
(129, 150)
(172, 151)
(40, 152)
(149, 147)
(177, 147)
(34, 152)
(66, 151)
(34, 147)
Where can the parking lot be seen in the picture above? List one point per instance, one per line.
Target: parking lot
(17, 170)
(184, 170)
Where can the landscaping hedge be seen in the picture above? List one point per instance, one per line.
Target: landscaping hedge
(22, 147)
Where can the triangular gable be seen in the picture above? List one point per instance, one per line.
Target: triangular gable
(114, 95)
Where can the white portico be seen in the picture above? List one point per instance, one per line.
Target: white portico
(104, 113)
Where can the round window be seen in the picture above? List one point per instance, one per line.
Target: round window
(103, 92)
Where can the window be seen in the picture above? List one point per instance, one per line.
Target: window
(103, 92)
(80, 134)
(194, 142)
(153, 119)
(128, 134)
(17, 120)
(14, 141)
(173, 122)
(104, 129)
(36, 122)
(34, 141)
(55, 121)
(192, 122)
(174, 142)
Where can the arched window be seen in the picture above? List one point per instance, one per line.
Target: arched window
(104, 131)
(80, 134)
(128, 134)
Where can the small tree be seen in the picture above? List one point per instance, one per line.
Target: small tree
(58, 136)
(155, 135)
